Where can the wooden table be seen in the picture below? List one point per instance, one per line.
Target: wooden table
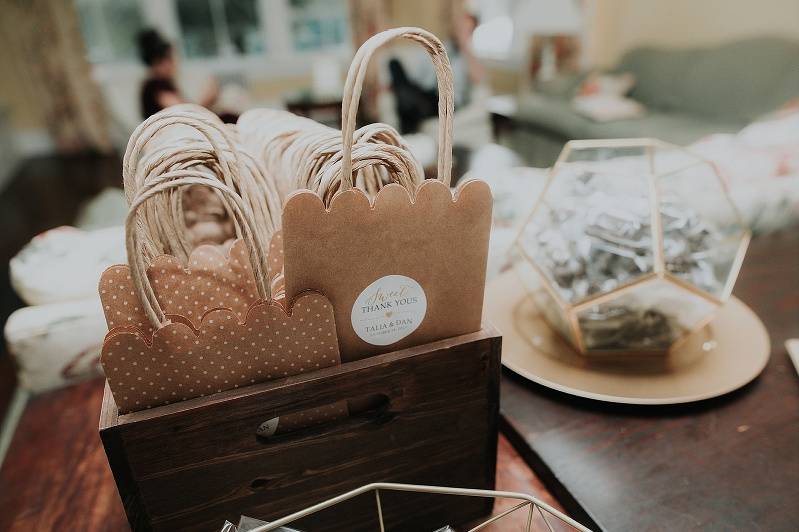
(55, 476)
(731, 463)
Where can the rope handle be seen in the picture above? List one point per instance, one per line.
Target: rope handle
(217, 152)
(188, 115)
(354, 86)
(138, 268)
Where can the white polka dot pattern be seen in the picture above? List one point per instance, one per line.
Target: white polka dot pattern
(211, 281)
(120, 304)
(275, 256)
(180, 363)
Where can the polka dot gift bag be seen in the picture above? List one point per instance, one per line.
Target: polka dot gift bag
(182, 331)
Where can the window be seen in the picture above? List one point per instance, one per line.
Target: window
(318, 24)
(279, 32)
(110, 28)
(198, 32)
(211, 28)
(243, 26)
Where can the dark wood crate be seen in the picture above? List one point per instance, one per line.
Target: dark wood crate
(191, 465)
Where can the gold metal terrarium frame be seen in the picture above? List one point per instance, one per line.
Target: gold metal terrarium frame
(571, 310)
(536, 509)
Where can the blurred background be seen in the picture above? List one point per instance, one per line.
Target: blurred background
(719, 76)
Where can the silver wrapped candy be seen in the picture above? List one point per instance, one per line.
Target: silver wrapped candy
(630, 244)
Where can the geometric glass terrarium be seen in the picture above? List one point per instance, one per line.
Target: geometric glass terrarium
(632, 245)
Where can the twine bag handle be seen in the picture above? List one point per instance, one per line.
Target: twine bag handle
(397, 162)
(222, 157)
(169, 182)
(134, 175)
(354, 85)
(185, 115)
(264, 189)
(172, 236)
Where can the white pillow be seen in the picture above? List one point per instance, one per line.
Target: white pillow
(56, 345)
(65, 263)
(607, 108)
(607, 84)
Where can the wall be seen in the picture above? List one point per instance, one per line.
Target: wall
(23, 121)
(432, 15)
(15, 88)
(618, 25)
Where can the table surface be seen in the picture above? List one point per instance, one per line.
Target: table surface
(55, 475)
(729, 463)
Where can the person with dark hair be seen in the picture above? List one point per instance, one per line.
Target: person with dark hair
(416, 94)
(159, 89)
(414, 103)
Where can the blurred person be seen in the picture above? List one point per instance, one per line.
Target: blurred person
(417, 95)
(159, 90)
(207, 221)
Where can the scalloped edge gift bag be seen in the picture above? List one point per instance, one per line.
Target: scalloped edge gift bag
(408, 267)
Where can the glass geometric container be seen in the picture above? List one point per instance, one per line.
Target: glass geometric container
(632, 245)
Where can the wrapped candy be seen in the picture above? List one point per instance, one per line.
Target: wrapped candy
(627, 253)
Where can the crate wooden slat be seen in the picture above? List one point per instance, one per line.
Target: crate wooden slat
(191, 465)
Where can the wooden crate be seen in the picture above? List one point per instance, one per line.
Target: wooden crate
(192, 465)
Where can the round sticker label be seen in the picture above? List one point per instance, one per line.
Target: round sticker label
(388, 310)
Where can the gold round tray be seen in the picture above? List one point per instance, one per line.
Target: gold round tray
(726, 354)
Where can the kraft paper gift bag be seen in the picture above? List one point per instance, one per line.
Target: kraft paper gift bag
(178, 332)
(407, 267)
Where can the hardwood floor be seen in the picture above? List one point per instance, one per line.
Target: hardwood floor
(55, 476)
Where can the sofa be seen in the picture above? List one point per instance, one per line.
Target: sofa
(688, 94)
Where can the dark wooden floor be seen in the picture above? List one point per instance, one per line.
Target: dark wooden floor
(43, 193)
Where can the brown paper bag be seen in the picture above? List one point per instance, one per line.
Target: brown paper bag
(403, 270)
